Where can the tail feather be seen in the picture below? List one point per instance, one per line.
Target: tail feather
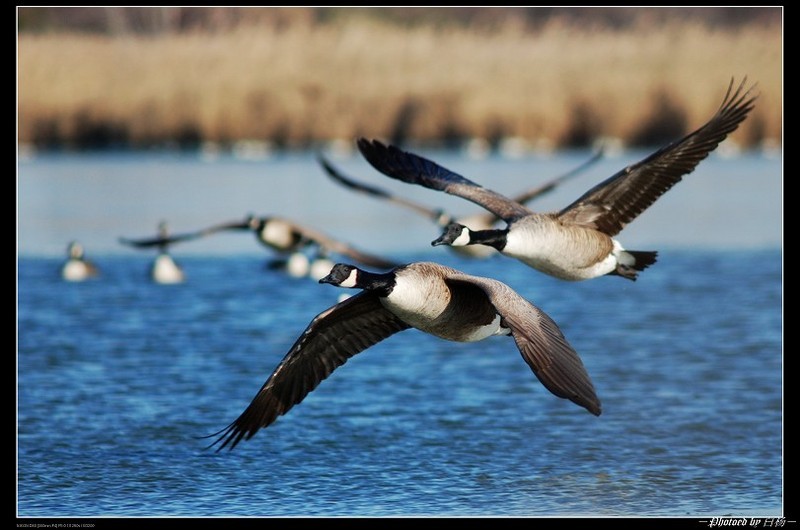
(638, 260)
(642, 258)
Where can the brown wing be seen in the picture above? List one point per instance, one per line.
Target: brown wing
(331, 245)
(614, 203)
(332, 337)
(540, 341)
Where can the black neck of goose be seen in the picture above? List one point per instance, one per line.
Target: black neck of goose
(379, 283)
(494, 238)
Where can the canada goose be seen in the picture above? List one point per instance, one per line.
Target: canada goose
(575, 243)
(288, 237)
(432, 298)
(480, 221)
(77, 268)
(164, 269)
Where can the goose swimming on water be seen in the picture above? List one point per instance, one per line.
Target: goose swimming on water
(432, 298)
(577, 242)
(479, 221)
(77, 267)
(164, 269)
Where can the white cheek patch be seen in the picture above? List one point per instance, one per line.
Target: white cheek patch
(351, 280)
(463, 239)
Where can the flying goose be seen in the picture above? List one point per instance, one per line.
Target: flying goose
(480, 221)
(286, 237)
(432, 298)
(164, 269)
(77, 268)
(577, 242)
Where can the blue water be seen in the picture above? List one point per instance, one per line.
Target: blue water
(119, 378)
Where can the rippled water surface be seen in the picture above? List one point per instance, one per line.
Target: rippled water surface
(119, 377)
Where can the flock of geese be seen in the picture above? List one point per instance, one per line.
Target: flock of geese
(301, 251)
(574, 244)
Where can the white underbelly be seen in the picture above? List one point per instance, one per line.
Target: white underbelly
(482, 332)
(74, 271)
(166, 271)
(563, 259)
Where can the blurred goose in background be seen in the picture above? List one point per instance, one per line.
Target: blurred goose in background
(479, 221)
(577, 242)
(164, 270)
(300, 265)
(290, 238)
(432, 298)
(77, 268)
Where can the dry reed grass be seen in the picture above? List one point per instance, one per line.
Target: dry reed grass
(307, 83)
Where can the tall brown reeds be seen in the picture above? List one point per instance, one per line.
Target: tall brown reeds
(304, 83)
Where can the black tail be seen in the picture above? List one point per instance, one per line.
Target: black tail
(644, 258)
(641, 260)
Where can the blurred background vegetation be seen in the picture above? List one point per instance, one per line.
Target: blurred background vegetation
(295, 77)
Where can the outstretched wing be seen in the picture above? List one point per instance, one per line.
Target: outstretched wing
(372, 191)
(524, 197)
(331, 245)
(332, 337)
(541, 343)
(162, 241)
(158, 241)
(414, 169)
(438, 216)
(617, 201)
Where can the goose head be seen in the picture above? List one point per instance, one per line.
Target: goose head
(75, 250)
(342, 275)
(351, 277)
(454, 235)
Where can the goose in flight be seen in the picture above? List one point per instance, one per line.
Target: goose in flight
(164, 268)
(478, 221)
(286, 237)
(432, 298)
(576, 243)
(283, 235)
(77, 267)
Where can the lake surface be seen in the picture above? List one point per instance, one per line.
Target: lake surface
(119, 378)
(727, 202)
